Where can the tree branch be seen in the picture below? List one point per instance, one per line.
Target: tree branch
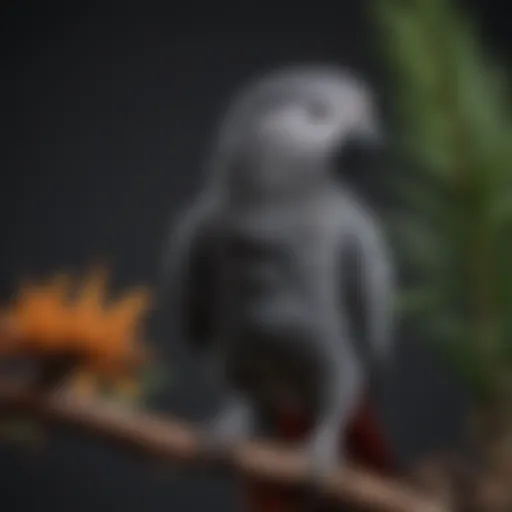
(161, 437)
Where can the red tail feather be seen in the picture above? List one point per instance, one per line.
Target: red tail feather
(366, 445)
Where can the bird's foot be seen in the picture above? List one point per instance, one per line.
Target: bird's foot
(324, 459)
(227, 430)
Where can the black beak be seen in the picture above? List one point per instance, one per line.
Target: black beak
(360, 150)
(370, 134)
(360, 159)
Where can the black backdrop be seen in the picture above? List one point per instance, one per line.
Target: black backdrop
(107, 110)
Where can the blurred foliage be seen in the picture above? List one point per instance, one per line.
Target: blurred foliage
(454, 130)
(21, 432)
(153, 381)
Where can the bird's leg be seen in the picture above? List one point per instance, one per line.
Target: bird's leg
(233, 424)
(341, 392)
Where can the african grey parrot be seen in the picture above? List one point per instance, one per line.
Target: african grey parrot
(281, 274)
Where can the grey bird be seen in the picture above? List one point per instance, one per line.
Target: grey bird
(278, 271)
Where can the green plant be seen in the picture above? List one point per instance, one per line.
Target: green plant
(454, 130)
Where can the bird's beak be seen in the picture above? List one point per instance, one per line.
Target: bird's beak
(360, 151)
(370, 134)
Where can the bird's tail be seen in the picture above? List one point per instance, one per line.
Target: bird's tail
(262, 497)
(366, 445)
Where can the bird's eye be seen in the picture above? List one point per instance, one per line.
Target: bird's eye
(317, 110)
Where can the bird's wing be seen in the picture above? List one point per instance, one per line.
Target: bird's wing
(368, 287)
(189, 273)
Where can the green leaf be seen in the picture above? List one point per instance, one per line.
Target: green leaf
(418, 301)
(156, 379)
(456, 131)
(420, 246)
(20, 431)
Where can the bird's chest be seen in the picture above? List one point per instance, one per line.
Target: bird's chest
(272, 281)
(277, 289)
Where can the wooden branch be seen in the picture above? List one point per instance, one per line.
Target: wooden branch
(161, 437)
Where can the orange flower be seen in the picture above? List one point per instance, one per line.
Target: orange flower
(123, 320)
(87, 316)
(38, 316)
(45, 321)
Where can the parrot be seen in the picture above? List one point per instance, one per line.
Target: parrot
(282, 278)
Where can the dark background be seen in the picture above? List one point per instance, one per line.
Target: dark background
(107, 112)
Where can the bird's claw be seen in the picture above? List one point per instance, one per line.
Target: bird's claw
(225, 432)
(324, 458)
(218, 445)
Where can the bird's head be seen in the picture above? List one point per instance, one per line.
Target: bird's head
(286, 129)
